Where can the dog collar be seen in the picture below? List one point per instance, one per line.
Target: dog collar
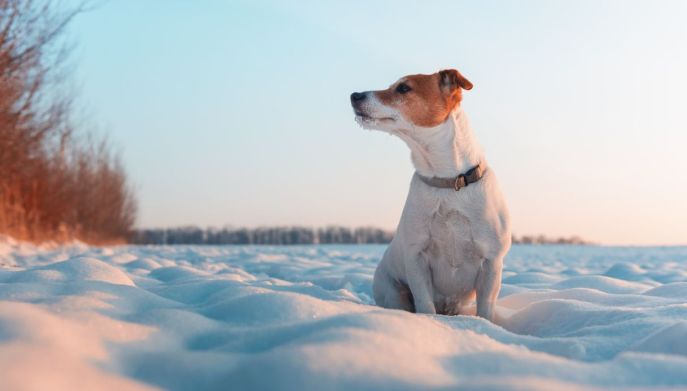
(456, 183)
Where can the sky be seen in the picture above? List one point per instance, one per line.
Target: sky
(237, 113)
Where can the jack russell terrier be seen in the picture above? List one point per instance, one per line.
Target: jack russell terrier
(455, 228)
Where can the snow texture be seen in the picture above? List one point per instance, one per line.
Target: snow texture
(302, 318)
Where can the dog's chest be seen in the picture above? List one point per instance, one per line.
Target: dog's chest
(453, 253)
(452, 236)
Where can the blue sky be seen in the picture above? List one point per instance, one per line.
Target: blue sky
(237, 112)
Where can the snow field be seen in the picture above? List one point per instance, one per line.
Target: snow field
(295, 318)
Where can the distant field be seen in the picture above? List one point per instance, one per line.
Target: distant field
(302, 317)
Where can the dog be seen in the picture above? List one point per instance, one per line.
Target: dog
(454, 231)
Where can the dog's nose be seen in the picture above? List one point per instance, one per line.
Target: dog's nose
(357, 97)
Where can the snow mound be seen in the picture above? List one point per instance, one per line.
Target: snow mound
(666, 340)
(531, 278)
(41, 350)
(82, 268)
(302, 318)
(626, 271)
(282, 307)
(676, 290)
(602, 283)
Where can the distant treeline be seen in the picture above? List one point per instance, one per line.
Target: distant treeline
(292, 235)
(268, 235)
(541, 239)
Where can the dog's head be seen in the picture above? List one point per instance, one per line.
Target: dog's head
(413, 101)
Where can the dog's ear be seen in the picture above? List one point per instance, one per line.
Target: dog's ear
(450, 79)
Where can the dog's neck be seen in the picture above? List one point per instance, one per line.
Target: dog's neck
(447, 150)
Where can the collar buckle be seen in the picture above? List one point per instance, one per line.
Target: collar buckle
(460, 182)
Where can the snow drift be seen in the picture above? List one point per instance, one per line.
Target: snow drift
(294, 318)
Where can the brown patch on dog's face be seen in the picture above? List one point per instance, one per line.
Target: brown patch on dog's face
(426, 100)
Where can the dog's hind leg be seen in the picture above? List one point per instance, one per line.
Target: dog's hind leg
(389, 293)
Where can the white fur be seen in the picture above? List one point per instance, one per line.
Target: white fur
(449, 245)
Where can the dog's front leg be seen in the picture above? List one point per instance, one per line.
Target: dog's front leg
(420, 283)
(488, 286)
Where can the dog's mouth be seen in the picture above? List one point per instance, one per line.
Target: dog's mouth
(363, 117)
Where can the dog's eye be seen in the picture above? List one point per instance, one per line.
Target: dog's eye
(402, 88)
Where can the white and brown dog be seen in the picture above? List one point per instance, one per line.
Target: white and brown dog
(455, 230)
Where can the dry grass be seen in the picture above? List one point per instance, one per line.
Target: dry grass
(53, 184)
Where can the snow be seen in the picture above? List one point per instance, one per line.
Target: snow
(302, 318)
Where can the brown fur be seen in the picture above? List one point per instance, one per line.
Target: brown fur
(431, 98)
